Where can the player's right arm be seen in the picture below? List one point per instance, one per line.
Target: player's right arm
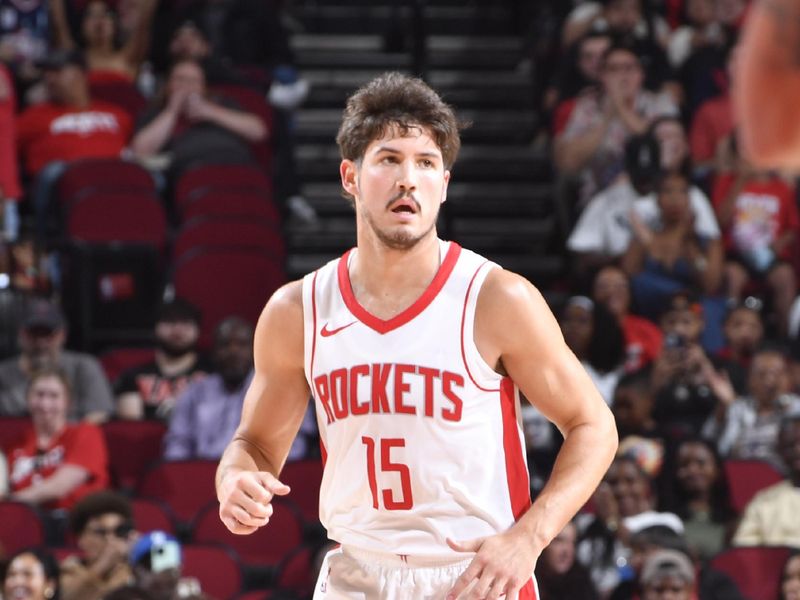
(247, 476)
(767, 84)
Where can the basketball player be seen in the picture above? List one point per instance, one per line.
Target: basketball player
(415, 351)
(767, 85)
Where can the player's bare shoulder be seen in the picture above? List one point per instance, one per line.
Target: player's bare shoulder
(280, 327)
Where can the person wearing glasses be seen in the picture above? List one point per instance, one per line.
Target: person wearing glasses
(103, 528)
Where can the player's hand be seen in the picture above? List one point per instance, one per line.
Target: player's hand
(503, 564)
(245, 500)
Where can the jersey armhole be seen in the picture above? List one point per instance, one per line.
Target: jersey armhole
(480, 372)
(309, 325)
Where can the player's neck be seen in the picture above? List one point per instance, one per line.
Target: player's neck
(378, 272)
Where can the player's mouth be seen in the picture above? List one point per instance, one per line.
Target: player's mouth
(404, 205)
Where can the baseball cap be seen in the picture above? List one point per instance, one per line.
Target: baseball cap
(667, 562)
(156, 551)
(58, 59)
(43, 314)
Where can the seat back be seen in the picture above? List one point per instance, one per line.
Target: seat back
(746, 478)
(222, 282)
(267, 546)
(133, 446)
(99, 217)
(185, 486)
(305, 478)
(215, 567)
(123, 94)
(118, 360)
(231, 203)
(21, 527)
(105, 174)
(151, 515)
(214, 178)
(229, 232)
(756, 570)
(11, 428)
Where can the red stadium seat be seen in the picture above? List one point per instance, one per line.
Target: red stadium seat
(235, 203)
(123, 94)
(20, 527)
(118, 360)
(305, 478)
(132, 447)
(746, 478)
(225, 282)
(109, 174)
(296, 573)
(185, 486)
(10, 429)
(215, 567)
(755, 570)
(267, 546)
(204, 178)
(229, 232)
(100, 217)
(151, 515)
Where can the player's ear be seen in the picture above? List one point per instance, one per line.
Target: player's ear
(444, 187)
(348, 171)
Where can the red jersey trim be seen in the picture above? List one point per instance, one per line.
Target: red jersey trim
(463, 322)
(314, 323)
(528, 591)
(380, 325)
(519, 489)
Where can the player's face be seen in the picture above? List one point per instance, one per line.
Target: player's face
(398, 187)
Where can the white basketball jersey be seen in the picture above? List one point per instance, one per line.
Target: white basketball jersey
(422, 440)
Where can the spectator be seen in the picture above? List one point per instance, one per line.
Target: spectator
(770, 518)
(758, 213)
(683, 374)
(31, 574)
(558, 575)
(596, 338)
(603, 232)
(712, 123)
(208, 412)
(625, 494)
(696, 489)
(102, 524)
(651, 539)
(790, 578)
(593, 142)
(10, 190)
(642, 338)
(41, 338)
(149, 391)
(633, 406)
(747, 427)
(744, 332)
(70, 125)
(578, 74)
(54, 464)
(673, 257)
(668, 575)
(194, 127)
(107, 56)
(623, 17)
(24, 35)
(156, 562)
(701, 28)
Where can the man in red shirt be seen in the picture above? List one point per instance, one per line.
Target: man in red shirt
(70, 125)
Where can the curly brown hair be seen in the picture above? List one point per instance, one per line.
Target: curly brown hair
(397, 100)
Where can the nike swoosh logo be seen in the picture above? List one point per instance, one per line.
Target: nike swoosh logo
(325, 332)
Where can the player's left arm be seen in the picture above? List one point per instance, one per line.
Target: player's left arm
(517, 334)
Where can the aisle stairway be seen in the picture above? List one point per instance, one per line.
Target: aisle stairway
(500, 199)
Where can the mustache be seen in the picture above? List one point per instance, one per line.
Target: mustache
(400, 196)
